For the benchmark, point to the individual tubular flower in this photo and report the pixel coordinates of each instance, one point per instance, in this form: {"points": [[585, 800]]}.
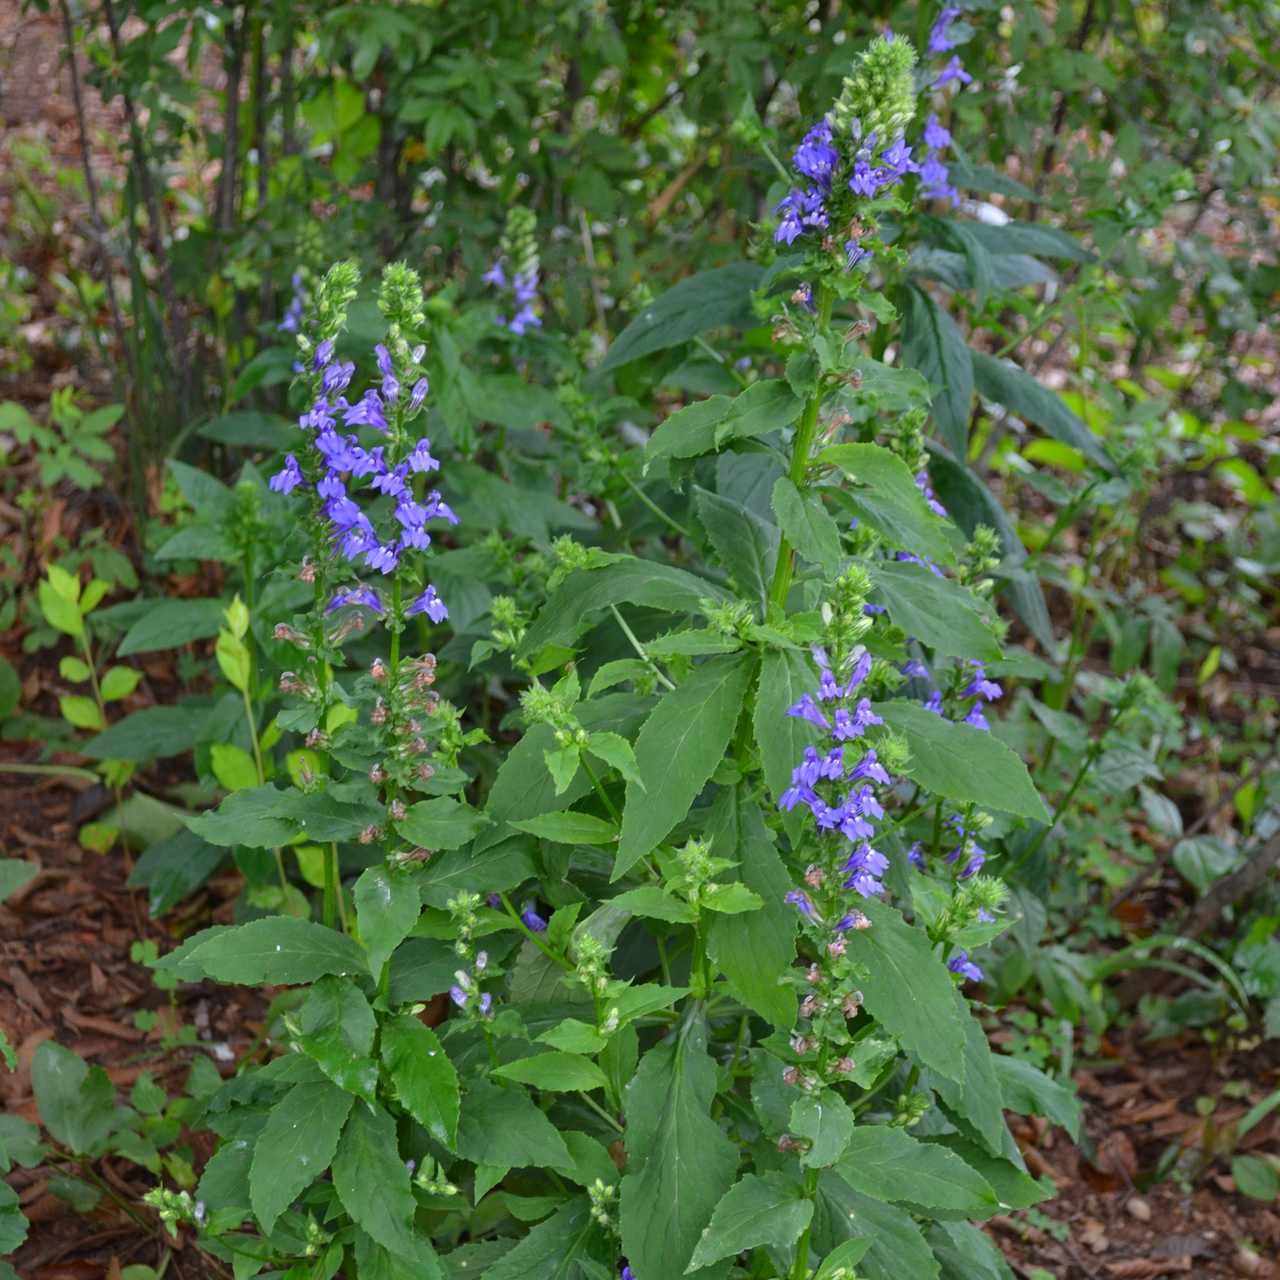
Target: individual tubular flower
{"points": [[807, 709], [337, 377], [976, 718], [815, 157], [938, 37], [870, 767], [854, 724], [962, 965], [367, 412], [417, 396], [532, 920], [952, 71], [293, 313], [980, 686], [420, 459], [430, 604], [360, 595], [801, 900], [922, 483], [290, 478], [914, 668]]}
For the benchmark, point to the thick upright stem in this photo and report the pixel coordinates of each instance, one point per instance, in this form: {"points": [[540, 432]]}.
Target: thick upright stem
{"points": [[800, 450]]}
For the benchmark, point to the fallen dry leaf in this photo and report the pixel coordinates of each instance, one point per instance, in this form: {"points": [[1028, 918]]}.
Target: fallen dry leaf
{"points": [[1152, 1111], [103, 1026]]}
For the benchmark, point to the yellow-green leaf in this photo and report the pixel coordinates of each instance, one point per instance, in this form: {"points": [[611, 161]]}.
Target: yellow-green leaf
{"points": [[98, 836], [82, 712], [233, 767], [233, 658], [93, 593], [119, 682], [74, 669], [59, 611], [65, 584]]}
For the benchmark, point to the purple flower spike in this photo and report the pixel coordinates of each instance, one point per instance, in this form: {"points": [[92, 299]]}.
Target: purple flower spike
{"points": [[915, 855], [816, 158], [495, 276], [934, 703], [628, 1274], [525, 319], [430, 604], [974, 864], [383, 557], [873, 610], [854, 253], [361, 595], [289, 479], [807, 709], [961, 964], [936, 135], [870, 767], [914, 668], [367, 412]]}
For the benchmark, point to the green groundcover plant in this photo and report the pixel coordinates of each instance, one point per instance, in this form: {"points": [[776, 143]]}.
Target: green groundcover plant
{"points": [[706, 943]]}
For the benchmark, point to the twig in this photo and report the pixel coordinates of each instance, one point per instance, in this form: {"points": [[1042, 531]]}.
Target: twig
{"points": [[1233, 887]]}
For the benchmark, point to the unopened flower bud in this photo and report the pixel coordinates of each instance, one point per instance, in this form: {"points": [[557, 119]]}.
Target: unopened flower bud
{"points": [[424, 772], [813, 974], [858, 329], [844, 1066], [807, 1007], [315, 738], [814, 876]]}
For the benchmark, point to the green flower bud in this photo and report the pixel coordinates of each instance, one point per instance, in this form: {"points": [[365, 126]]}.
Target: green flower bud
{"points": [[879, 93]]}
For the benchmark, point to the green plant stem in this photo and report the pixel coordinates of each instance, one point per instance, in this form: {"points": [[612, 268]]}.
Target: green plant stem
{"points": [[529, 933], [639, 648], [330, 884], [674, 525], [915, 813], [800, 1270], [666, 964], [600, 791], [599, 1110], [800, 449], [1093, 753]]}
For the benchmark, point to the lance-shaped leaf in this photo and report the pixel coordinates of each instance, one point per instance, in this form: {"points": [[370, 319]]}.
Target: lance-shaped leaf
{"points": [[889, 1164], [785, 677], [771, 1210], [938, 611], [372, 1181], [746, 544], [423, 1076], [387, 904], [279, 949], [337, 1031], [808, 525], [932, 342], [678, 749]]}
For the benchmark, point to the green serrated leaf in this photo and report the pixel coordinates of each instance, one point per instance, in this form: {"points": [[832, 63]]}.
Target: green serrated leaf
{"points": [[767, 1210], [424, 1078]]}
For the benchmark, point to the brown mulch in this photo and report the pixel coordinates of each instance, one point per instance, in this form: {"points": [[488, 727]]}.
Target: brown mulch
{"points": [[66, 974]]}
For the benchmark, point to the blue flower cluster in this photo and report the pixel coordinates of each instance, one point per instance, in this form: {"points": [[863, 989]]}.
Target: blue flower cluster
{"points": [[978, 688], [855, 806], [524, 285], [339, 459]]}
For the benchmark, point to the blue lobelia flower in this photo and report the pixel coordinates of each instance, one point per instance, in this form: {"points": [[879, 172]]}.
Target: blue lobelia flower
{"points": [[938, 41], [430, 604], [290, 478], [360, 595], [961, 964]]}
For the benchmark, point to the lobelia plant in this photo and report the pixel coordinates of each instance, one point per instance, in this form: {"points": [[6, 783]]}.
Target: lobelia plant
{"points": [[704, 945]]}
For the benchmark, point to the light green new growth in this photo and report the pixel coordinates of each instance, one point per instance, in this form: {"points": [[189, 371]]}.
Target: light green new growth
{"points": [[519, 242], [879, 93]]}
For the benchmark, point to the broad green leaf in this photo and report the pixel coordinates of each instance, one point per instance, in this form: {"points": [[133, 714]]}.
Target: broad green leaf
{"points": [[590, 1159], [247, 818], [932, 342], [899, 958], [677, 750], [888, 1164], [234, 768], [964, 1252], [616, 752], [60, 611], [502, 1127], [843, 1259], [826, 1121], [295, 1147], [569, 828], [654, 903], [337, 1031], [962, 762], [977, 1096], [119, 682], [375, 1262], [898, 1250], [420, 968], [614, 673], [570, 1245], [753, 950], [1006, 384], [574, 1036], [679, 1161], [152, 733], [562, 1072], [1013, 1187], [14, 873], [442, 823], [689, 432], [423, 1076], [886, 498], [371, 1179], [764, 407], [224, 1184], [252, 430], [175, 866], [757, 1211], [938, 611], [562, 764], [278, 950], [785, 677], [523, 788], [692, 644], [233, 658], [76, 1101], [730, 898], [808, 525], [746, 544], [387, 904], [703, 301], [173, 624], [1028, 1091], [197, 542], [1255, 1178], [324, 815], [643, 582], [503, 867], [79, 1195], [19, 1143]]}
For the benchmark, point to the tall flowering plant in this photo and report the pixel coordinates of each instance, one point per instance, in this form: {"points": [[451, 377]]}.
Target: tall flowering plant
{"points": [[704, 950]]}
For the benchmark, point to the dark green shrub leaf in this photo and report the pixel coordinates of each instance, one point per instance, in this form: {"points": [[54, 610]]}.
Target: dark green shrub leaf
{"points": [[423, 1076], [14, 873], [569, 828], [808, 525], [1030, 237], [826, 1121], [442, 823], [152, 733], [758, 1210], [250, 818], [280, 950], [679, 1161], [898, 1250], [562, 1248], [1014, 1188], [372, 1181], [337, 1031], [420, 968], [889, 1164], [938, 611], [965, 1253], [503, 867], [387, 904], [502, 1127], [977, 1097], [962, 762], [295, 1147], [677, 750], [173, 623], [562, 1072], [13, 1223], [1028, 1091], [174, 867], [1255, 1178], [746, 544]]}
